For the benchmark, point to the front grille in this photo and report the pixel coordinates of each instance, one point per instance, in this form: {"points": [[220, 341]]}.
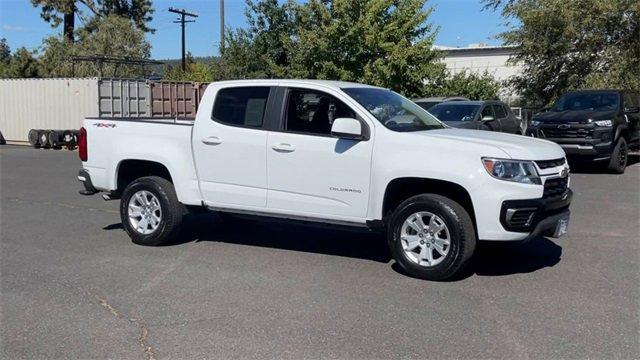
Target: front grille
{"points": [[545, 164], [572, 132], [522, 218], [555, 187]]}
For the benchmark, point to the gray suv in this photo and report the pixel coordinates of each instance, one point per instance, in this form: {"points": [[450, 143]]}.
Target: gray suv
{"points": [[482, 115]]}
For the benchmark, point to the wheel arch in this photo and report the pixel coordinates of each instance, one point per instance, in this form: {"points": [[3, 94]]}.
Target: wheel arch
{"points": [[622, 130], [400, 189], [128, 170]]}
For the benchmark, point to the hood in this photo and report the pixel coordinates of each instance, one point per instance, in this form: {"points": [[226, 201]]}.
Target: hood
{"points": [[461, 124], [574, 116], [514, 146]]}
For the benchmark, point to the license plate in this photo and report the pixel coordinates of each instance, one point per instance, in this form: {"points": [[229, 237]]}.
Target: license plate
{"points": [[561, 227]]}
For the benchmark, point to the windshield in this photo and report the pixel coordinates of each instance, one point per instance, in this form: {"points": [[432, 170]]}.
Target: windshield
{"points": [[593, 101], [427, 104], [454, 112], [394, 111]]}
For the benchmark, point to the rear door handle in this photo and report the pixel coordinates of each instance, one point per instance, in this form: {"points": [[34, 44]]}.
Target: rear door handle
{"points": [[284, 147], [212, 140]]}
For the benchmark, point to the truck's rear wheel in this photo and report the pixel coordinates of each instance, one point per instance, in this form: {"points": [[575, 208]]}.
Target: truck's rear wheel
{"points": [[150, 211], [431, 237]]}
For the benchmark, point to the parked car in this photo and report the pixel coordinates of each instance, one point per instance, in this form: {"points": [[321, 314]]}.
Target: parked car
{"points": [[523, 114], [593, 125], [428, 103], [330, 152], [481, 115]]}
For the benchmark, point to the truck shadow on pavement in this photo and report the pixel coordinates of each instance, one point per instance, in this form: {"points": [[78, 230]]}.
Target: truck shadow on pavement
{"points": [[360, 244], [498, 259], [491, 258]]}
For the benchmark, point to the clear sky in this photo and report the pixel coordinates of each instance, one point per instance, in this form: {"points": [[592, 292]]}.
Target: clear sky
{"points": [[461, 22]]}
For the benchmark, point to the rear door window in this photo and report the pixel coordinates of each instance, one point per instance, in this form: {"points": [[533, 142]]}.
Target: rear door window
{"points": [[487, 111], [499, 110], [241, 106]]}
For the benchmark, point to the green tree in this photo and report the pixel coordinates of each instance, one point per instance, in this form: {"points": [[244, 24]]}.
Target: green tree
{"points": [[196, 71], [5, 50], [113, 36], [470, 85], [259, 51], [380, 42], [5, 57], [56, 12], [22, 64], [239, 59], [572, 44]]}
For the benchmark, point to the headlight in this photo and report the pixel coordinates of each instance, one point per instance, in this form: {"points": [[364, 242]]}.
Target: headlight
{"points": [[535, 122], [512, 170], [604, 123]]}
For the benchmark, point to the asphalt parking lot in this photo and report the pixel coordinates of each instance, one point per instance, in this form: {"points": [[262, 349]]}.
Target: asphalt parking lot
{"points": [[74, 286]]}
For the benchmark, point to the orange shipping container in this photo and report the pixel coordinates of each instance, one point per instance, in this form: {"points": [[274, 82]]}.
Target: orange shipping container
{"points": [[175, 99]]}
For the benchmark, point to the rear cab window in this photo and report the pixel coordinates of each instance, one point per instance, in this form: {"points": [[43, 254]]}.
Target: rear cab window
{"points": [[241, 106]]}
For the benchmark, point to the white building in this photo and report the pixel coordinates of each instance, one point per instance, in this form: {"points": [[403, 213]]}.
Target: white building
{"points": [[478, 58]]}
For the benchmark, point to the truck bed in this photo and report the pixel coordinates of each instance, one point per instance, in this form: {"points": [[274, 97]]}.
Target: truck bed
{"points": [[175, 121], [112, 141]]}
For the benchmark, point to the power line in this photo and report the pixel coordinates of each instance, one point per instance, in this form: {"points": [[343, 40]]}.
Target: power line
{"points": [[183, 14]]}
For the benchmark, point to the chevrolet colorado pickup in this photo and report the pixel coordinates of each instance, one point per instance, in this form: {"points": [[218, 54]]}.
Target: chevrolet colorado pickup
{"points": [[332, 152], [593, 125]]}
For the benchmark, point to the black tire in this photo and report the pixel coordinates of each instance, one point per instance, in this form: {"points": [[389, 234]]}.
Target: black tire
{"points": [[172, 211], [461, 230], [619, 156], [34, 138], [43, 137]]}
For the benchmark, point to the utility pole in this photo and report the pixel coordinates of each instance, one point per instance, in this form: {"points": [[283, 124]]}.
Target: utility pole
{"points": [[183, 14], [221, 26]]}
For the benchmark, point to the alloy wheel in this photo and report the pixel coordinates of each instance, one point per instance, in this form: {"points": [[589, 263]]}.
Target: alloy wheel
{"points": [[425, 238], [145, 212]]}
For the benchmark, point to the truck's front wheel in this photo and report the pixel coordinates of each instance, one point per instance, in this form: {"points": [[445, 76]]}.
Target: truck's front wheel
{"points": [[150, 211], [431, 237], [619, 155]]}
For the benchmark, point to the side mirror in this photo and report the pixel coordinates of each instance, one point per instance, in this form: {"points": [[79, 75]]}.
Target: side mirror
{"points": [[347, 128], [632, 110], [487, 118]]}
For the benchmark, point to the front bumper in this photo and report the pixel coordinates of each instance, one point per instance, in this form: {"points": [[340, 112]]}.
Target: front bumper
{"points": [[582, 140], [535, 216]]}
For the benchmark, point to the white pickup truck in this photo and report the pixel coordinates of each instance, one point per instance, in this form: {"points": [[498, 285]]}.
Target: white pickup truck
{"points": [[331, 152]]}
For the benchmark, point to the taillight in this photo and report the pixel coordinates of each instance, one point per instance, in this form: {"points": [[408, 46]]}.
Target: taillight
{"points": [[82, 145]]}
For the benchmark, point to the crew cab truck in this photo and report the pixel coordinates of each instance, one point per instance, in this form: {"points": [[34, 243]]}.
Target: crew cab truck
{"points": [[331, 152], [598, 126]]}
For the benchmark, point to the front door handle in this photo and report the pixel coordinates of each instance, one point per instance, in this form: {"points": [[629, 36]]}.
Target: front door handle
{"points": [[212, 140], [284, 147]]}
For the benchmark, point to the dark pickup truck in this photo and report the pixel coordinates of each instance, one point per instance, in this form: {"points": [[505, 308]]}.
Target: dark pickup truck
{"points": [[593, 125]]}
